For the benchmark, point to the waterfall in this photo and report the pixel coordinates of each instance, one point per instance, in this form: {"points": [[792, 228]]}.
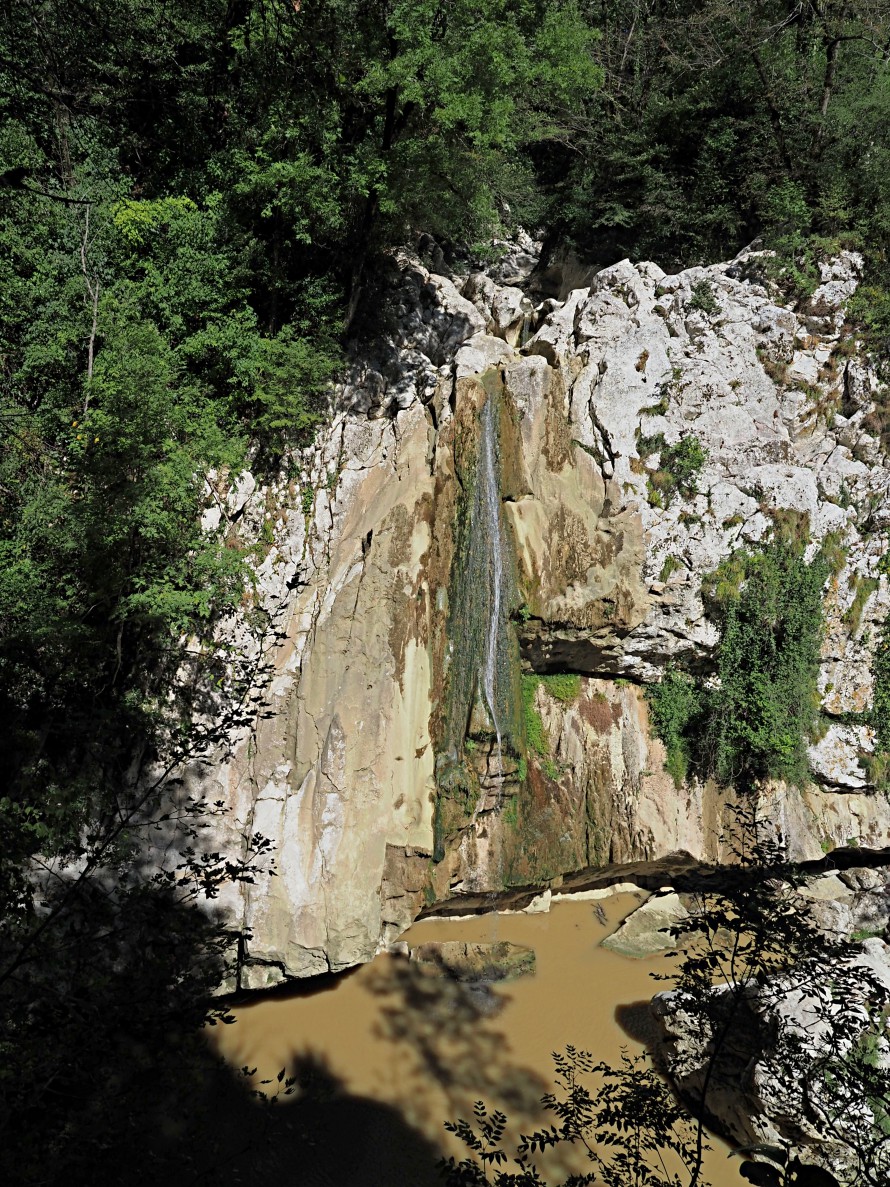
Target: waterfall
{"points": [[482, 693], [525, 330], [491, 511]]}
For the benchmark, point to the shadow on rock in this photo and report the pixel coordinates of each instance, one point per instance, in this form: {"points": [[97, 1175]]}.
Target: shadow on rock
{"points": [[636, 1020]]}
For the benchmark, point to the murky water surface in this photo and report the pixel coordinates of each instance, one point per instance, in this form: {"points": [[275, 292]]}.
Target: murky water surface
{"points": [[400, 1052]]}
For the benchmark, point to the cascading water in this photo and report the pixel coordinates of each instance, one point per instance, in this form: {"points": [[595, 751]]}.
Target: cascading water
{"points": [[491, 510], [482, 693], [526, 329]]}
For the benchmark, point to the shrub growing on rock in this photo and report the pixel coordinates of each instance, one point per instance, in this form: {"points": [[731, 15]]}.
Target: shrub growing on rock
{"points": [[752, 721]]}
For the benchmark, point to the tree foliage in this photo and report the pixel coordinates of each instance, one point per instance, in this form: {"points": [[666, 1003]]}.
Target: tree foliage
{"points": [[194, 197], [718, 121], [754, 719], [761, 716], [759, 974], [625, 1119]]}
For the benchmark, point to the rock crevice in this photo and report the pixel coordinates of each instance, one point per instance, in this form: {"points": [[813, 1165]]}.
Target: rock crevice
{"points": [[340, 767]]}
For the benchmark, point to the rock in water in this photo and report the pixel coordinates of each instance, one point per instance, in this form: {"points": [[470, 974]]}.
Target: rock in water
{"points": [[647, 930], [500, 961], [766, 1056]]}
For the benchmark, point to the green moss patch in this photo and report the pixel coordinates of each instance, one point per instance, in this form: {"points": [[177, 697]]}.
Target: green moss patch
{"points": [[535, 735], [562, 686]]}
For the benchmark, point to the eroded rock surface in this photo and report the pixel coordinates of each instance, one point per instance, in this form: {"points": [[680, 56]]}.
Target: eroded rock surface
{"points": [[355, 585], [501, 961]]}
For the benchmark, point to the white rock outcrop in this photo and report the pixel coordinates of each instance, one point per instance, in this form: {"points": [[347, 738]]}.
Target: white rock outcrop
{"points": [[339, 765], [767, 1057]]}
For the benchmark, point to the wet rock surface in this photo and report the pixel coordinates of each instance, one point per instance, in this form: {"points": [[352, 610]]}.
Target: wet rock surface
{"points": [[354, 585]]}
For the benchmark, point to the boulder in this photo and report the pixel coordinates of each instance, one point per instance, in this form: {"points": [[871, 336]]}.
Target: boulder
{"points": [[650, 928], [756, 1052], [499, 961]]}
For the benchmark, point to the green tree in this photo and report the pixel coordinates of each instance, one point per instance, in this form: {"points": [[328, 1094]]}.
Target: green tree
{"points": [[754, 721], [415, 116], [761, 716], [718, 122]]}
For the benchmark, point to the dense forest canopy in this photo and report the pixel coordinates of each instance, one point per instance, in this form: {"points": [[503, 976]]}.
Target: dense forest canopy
{"points": [[194, 199]]}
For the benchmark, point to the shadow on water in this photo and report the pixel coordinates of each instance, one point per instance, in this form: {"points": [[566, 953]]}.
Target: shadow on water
{"points": [[445, 1051], [399, 1049], [440, 1046], [453, 1043], [322, 1136]]}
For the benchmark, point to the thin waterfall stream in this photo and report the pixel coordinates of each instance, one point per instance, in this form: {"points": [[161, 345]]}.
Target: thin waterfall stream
{"points": [[478, 754], [491, 508]]}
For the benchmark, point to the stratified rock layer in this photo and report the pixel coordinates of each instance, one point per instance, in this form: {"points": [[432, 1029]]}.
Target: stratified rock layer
{"points": [[340, 767]]}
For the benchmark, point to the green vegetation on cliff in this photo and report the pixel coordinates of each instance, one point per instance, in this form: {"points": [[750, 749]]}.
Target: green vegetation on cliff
{"points": [[761, 717], [678, 469], [878, 716], [675, 706], [562, 686], [754, 718], [195, 196], [535, 734]]}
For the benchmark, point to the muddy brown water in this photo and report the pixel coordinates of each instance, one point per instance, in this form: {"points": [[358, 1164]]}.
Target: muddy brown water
{"points": [[386, 1054]]}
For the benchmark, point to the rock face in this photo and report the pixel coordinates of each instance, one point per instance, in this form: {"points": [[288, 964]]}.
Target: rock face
{"points": [[765, 1060], [500, 961], [649, 929], [388, 768], [775, 1059]]}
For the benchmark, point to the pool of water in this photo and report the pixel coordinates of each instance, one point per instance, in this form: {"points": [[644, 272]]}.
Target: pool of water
{"points": [[384, 1055]]}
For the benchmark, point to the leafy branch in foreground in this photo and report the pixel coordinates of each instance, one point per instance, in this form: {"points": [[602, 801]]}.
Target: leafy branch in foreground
{"points": [[108, 967], [625, 1122]]}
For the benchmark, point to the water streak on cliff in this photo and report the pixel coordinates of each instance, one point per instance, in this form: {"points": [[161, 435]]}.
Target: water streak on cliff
{"points": [[480, 695], [490, 499]]}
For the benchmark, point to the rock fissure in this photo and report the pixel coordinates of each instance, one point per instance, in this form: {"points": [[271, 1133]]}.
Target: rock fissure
{"points": [[605, 572]]}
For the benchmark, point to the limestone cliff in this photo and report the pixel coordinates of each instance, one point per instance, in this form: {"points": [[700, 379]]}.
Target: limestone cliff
{"points": [[780, 1060], [391, 768]]}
